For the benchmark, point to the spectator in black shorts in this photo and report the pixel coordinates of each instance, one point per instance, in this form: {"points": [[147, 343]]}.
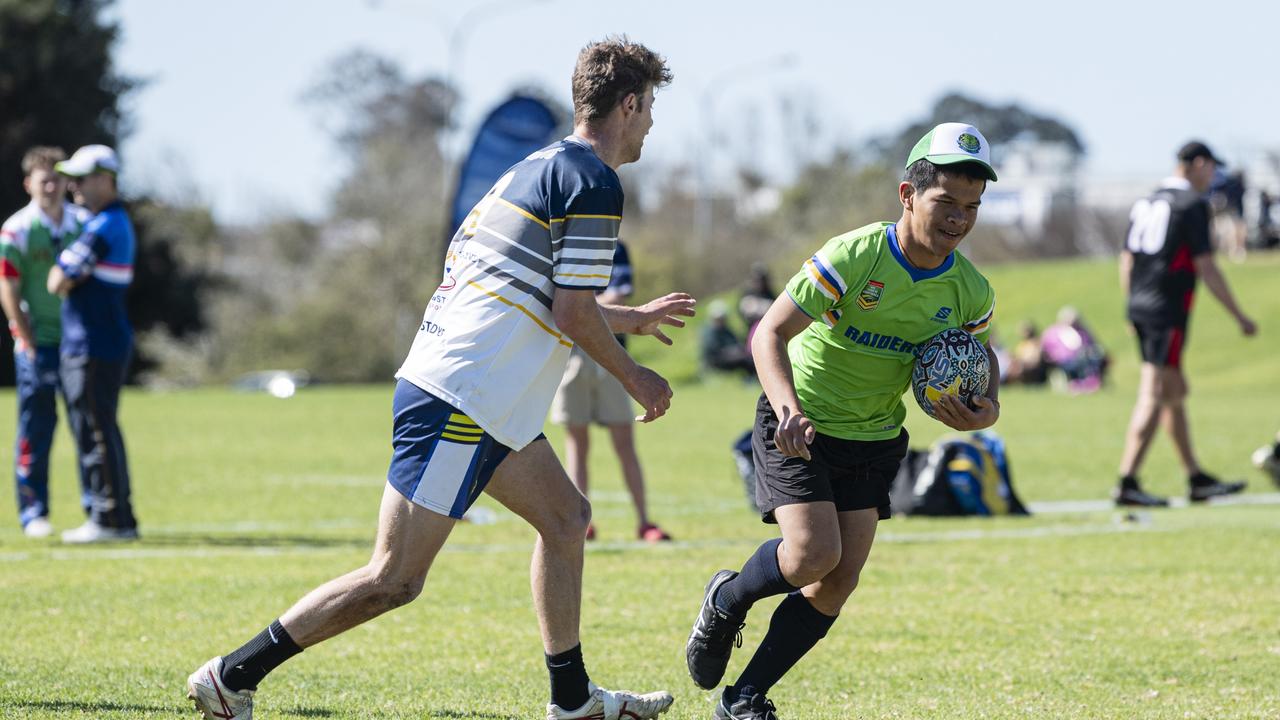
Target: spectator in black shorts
{"points": [[1167, 248]]}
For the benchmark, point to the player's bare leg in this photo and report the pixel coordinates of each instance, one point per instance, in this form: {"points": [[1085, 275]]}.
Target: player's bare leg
{"points": [[803, 618], [1144, 420], [1142, 429], [532, 484], [1173, 417], [810, 546], [857, 533], [624, 446], [577, 448], [409, 538]]}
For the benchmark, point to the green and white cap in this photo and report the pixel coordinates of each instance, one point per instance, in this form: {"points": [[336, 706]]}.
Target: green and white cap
{"points": [[951, 143], [88, 160]]}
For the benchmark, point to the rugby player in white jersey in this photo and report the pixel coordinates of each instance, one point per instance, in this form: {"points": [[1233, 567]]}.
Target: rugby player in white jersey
{"points": [[519, 292]]}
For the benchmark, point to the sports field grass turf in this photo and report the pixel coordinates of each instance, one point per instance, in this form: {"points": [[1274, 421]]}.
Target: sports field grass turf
{"points": [[247, 502]]}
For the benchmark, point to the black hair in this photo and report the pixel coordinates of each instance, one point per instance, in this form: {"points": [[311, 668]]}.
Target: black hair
{"points": [[923, 174]]}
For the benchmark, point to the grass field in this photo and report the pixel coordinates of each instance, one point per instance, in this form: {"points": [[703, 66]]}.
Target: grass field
{"points": [[247, 502]]}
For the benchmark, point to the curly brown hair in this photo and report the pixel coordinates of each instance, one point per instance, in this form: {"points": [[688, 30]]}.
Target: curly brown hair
{"points": [[42, 157], [609, 70]]}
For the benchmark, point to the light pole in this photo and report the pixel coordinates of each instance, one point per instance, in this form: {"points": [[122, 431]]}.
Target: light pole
{"points": [[703, 211]]}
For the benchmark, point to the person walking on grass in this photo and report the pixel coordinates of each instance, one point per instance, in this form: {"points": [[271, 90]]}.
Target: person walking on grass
{"points": [[1167, 249]]}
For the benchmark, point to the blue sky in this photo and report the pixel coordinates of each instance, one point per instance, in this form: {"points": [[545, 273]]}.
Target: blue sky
{"points": [[222, 110]]}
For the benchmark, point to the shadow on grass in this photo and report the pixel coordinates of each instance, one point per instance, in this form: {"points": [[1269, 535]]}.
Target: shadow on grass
{"points": [[81, 707], [462, 714], [266, 541]]}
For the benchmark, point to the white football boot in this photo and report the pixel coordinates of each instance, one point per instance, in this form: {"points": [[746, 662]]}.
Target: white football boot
{"points": [[91, 532], [38, 528], [614, 705], [213, 699]]}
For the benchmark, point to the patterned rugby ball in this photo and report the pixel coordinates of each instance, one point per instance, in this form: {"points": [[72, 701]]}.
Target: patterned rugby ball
{"points": [[952, 362]]}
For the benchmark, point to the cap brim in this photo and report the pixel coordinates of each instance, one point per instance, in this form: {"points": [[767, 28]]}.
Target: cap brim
{"points": [[960, 158], [67, 168]]}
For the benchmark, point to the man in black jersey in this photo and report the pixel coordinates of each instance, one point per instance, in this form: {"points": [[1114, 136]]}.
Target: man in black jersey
{"points": [[1167, 248]]}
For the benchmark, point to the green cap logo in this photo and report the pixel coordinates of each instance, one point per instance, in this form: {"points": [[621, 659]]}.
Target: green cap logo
{"points": [[969, 143]]}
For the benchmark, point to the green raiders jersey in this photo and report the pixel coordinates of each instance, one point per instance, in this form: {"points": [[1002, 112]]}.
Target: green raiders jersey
{"points": [[29, 245], [872, 308]]}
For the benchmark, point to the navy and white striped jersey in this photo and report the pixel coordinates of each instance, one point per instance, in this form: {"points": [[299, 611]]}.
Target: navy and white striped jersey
{"points": [[488, 343]]}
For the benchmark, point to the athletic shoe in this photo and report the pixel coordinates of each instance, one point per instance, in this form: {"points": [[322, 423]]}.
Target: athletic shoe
{"points": [[755, 707], [1264, 458], [38, 528], [92, 532], [1137, 497], [651, 533], [614, 705], [1205, 486], [715, 634], [213, 699]]}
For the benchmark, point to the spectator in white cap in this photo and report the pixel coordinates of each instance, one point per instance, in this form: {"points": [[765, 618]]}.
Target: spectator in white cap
{"points": [[92, 274]]}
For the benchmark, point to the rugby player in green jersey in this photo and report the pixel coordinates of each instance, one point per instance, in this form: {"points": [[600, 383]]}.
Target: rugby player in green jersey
{"points": [[834, 355]]}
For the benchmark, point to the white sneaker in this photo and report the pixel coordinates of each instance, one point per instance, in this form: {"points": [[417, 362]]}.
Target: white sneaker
{"points": [[38, 528], [92, 532], [213, 699], [614, 705], [1264, 458]]}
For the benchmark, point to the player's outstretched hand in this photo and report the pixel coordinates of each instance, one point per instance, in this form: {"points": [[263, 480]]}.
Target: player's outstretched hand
{"points": [[651, 391], [956, 415], [651, 316], [795, 434], [1248, 326]]}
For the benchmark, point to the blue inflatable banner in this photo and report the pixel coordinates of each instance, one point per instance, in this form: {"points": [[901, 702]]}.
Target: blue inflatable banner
{"points": [[514, 129]]}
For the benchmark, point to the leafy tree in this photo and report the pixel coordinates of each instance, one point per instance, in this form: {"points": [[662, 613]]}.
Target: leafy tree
{"points": [[999, 123], [58, 85]]}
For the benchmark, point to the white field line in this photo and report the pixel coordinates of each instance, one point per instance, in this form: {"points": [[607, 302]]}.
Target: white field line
{"points": [[142, 553], [1142, 522], [1088, 506]]}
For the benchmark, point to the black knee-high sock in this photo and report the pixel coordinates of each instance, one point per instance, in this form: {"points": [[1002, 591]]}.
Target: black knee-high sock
{"points": [[795, 628], [568, 678], [246, 666], [760, 578]]}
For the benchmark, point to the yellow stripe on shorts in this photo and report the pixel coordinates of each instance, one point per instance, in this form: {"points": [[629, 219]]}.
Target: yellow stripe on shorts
{"points": [[464, 439]]}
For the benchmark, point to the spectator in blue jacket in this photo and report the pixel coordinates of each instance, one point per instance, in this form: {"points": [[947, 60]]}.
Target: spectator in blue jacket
{"points": [[92, 274]]}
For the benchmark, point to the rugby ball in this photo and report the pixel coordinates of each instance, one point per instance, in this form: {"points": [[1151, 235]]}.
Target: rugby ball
{"points": [[952, 362]]}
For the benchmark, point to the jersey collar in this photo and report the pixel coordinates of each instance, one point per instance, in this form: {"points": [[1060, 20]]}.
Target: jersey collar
{"points": [[56, 230], [1173, 182], [916, 273]]}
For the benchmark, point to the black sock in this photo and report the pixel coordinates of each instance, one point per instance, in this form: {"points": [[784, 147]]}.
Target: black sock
{"points": [[760, 578], [1129, 482], [1202, 478], [245, 667], [795, 628], [568, 678]]}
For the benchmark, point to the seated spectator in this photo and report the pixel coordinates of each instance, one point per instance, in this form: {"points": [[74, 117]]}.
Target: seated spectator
{"points": [[1071, 349], [1027, 366], [757, 296], [720, 348]]}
